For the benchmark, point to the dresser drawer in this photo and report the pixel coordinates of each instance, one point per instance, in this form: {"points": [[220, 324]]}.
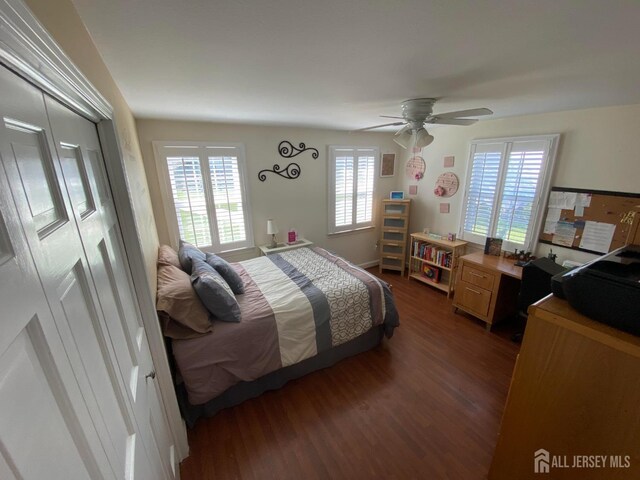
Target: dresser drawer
{"points": [[477, 277], [473, 298]]}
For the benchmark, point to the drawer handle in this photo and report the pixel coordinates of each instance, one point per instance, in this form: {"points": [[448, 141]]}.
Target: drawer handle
{"points": [[478, 275], [474, 291]]}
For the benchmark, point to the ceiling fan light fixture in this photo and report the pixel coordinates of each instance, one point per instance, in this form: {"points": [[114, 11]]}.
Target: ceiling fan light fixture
{"points": [[423, 138], [403, 138]]}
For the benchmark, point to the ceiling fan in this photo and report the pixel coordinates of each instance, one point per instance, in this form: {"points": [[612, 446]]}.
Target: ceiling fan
{"points": [[417, 112]]}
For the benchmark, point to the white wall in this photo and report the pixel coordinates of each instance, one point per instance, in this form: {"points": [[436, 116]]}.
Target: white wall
{"points": [[300, 203], [598, 150]]}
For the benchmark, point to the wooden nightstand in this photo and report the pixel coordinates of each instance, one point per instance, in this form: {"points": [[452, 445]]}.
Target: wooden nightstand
{"points": [[283, 247]]}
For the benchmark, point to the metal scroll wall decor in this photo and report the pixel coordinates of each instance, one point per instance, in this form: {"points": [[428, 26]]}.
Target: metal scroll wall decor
{"points": [[288, 150]]}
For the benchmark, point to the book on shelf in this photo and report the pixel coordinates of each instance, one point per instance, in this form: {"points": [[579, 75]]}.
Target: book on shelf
{"points": [[432, 253], [432, 273]]}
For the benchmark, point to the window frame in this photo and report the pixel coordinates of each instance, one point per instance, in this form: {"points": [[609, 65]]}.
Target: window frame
{"points": [[161, 154], [542, 193], [353, 226]]}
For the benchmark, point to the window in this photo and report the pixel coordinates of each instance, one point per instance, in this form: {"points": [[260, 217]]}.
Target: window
{"points": [[506, 181], [204, 193], [351, 186]]}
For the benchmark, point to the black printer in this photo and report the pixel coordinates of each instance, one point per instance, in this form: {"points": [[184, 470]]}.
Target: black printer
{"points": [[606, 289]]}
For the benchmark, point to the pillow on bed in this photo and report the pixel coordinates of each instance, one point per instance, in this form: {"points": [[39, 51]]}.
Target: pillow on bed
{"points": [[168, 256], [214, 292], [177, 298], [227, 272], [187, 253], [174, 329]]}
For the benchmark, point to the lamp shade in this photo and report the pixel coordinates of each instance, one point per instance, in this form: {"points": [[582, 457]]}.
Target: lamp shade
{"points": [[272, 229], [403, 138], [423, 138]]}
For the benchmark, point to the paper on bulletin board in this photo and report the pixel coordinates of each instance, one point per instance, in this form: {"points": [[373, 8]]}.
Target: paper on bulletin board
{"points": [[597, 236], [564, 234], [583, 200], [563, 200], [553, 216]]}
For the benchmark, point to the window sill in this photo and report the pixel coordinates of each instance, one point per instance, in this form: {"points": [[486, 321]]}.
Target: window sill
{"points": [[354, 230]]}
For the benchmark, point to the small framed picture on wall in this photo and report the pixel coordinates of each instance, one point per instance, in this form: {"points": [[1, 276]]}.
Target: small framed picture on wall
{"points": [[388, 165], [395, 195]]}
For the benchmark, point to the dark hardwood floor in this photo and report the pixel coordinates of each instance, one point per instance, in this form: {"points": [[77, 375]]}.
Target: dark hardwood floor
{"points": [[425, 404]]}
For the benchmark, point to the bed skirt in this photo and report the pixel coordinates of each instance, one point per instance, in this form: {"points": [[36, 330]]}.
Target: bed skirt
{"points": [[272, 381]]}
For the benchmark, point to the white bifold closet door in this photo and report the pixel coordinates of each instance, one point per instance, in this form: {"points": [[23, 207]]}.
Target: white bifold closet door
{"points": [[77, 395]]}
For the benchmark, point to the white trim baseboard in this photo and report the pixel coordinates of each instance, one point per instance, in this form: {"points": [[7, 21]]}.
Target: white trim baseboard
{"points": [[370, 264]]}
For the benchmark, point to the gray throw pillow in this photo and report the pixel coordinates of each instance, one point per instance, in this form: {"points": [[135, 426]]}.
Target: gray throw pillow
{"points": [[214, 292], [229, 274], [186, 253]]}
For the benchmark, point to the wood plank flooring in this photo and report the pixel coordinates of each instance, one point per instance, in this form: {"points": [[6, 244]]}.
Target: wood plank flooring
{"points": [[425, 404]]}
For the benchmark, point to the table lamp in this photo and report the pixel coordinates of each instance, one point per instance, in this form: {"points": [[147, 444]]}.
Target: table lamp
{"points": [[272, 230]]}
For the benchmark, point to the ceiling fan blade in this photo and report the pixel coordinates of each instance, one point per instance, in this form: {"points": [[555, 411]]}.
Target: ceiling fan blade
{"points": [[394, 124], [473, 112], [390, 116], [451, 121]]}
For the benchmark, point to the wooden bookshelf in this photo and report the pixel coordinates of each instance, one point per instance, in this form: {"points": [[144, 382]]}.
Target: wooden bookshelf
{"points": [[439, 254], [393, 236]]}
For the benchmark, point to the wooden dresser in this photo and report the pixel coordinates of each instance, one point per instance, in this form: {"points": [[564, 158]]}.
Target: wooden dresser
{"points": [[575, 391], [487, 287]]}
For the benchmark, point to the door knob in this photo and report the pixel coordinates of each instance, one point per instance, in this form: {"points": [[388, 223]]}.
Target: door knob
{"points": [[151, 375]]}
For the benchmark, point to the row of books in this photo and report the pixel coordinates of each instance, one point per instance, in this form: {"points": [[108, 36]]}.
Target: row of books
{"points": [[436, 255]]}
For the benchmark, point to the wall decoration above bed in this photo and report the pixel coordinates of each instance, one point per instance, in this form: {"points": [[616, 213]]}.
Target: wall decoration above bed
{"points": [[290, 172], [287, 150]]}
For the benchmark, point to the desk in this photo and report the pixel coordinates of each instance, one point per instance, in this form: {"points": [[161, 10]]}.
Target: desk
{"points": [[574, 391], [487, 287], [283, 247]]}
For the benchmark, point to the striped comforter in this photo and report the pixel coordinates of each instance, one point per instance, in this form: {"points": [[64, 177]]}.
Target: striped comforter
{"points": [[296, 304]]}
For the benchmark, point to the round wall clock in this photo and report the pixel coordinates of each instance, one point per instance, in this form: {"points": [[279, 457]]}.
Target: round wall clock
{"points": [[415, 168], [446, 185]]}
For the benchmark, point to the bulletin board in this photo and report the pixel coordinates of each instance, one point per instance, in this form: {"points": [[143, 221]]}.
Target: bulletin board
{"points": [[593, 221]]}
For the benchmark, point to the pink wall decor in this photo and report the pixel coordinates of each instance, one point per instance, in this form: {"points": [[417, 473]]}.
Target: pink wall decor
{"points": [[449, 160], [413, 189], [446, 185], [444, 208], [415, 168]]}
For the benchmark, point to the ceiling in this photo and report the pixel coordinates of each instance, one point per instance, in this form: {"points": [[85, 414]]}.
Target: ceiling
{"points": [[341, 63]]}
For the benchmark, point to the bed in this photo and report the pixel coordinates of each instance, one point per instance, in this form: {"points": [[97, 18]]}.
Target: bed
{"points": [[302, 310]]}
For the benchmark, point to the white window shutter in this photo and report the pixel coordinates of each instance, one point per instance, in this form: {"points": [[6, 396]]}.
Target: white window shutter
{"points": [[483, 176], [505, 180], [187, 187], [352, 187], [343, 195], [205, 183], [519, 191], [366, 177], [227, 197]]}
